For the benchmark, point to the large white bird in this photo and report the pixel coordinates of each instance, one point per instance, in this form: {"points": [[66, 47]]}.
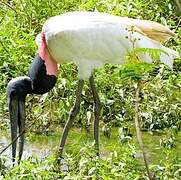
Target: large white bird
{"points": [[88, 39]]}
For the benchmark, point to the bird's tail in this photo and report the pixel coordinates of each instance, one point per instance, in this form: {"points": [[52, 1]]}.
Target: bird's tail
{"points": [[153, 30], [168, 57], [152, 34]]}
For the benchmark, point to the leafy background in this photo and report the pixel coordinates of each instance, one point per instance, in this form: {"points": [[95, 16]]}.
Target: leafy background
{"points": [[160, 104]]}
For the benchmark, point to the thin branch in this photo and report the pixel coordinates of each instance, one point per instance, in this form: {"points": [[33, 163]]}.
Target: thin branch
{"points": [[178, 5], [178, 25], [22, 132], [9, 6], [138, 131]]}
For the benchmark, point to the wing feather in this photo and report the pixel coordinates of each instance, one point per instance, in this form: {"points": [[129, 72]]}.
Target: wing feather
{"points": [[151, 29]]}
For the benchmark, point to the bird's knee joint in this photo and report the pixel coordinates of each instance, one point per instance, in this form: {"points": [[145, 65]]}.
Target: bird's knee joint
{"points": [[97, 106], [74, 111]]}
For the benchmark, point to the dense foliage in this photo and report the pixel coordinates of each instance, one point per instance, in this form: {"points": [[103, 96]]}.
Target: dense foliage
{"points": [[160, 97], [160, 108]]}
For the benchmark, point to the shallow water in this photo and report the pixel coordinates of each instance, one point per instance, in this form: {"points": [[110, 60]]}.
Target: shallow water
{"points": [[41, 146]]}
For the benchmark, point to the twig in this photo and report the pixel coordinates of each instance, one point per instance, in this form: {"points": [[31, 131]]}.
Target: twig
{"points": [[178, 5], [178, 25], [138, 132], [6, 4], [23, 131]]}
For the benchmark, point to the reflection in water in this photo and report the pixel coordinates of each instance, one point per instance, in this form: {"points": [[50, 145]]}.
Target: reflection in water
{"points": [[38, 146]]}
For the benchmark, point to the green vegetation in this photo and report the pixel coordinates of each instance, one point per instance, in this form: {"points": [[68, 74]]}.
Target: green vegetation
{"points": [[160, 96], [120, 157]]}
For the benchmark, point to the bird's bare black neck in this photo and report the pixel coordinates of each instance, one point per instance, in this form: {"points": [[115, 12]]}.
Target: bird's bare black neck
{"points": [[42, 82], [37, 81]]}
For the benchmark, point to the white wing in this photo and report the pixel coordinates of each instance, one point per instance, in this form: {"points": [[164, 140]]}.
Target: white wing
{"points": [[91, 39]]}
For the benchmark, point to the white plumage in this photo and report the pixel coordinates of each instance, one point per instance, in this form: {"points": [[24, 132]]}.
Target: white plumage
{"points": [[91, 39], [88, 39]]}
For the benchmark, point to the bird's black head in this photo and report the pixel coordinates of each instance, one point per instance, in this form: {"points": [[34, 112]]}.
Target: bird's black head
{"points": [[38, 81], [17, 90]]}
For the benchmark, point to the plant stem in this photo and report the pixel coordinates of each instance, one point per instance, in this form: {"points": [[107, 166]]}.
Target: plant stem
{"points": [[178, 5], [3, 150], [138, 132]]}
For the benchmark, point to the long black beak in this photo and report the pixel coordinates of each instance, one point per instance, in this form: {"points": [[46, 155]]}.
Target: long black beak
{"points": [[17, 120], [16, 91]]}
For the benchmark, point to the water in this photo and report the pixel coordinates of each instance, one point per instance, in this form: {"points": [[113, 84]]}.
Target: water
{"points": [[41, 146]]}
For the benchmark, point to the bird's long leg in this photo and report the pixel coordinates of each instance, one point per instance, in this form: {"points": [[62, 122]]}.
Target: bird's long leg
{"points": [[97, 108], [72, 115]]}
